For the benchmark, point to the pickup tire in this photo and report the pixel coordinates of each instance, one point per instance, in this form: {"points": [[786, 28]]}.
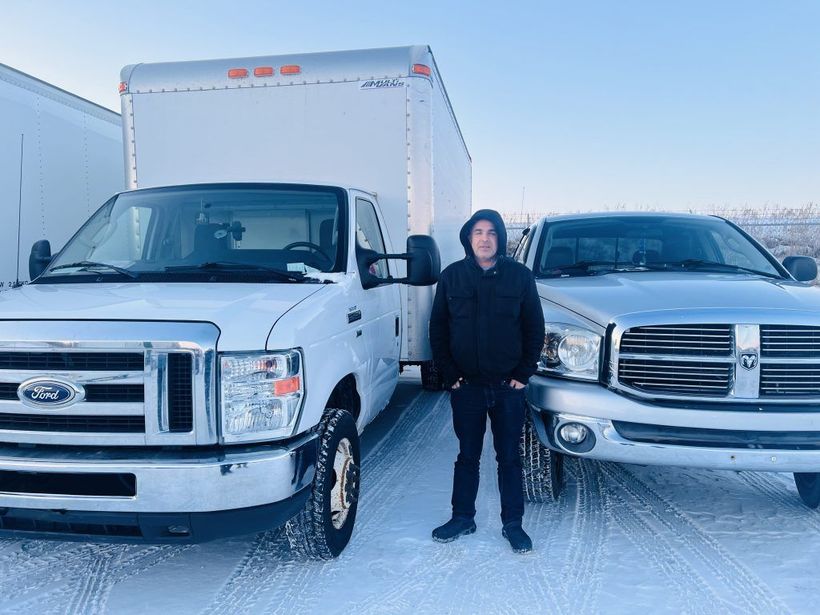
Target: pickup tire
{"points": [[430, 376], [323, 528], [543, 468], [808, 486]]}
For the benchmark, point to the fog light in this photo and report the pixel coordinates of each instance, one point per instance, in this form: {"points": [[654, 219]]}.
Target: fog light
{"points": [[179, 530], [573, 433]]}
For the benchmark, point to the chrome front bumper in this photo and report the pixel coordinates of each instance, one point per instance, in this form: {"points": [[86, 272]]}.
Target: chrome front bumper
{"points": [[562, 401], [166, 481]]}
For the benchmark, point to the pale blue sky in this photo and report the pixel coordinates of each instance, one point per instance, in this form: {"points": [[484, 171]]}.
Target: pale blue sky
{"points": [[688, 104]]}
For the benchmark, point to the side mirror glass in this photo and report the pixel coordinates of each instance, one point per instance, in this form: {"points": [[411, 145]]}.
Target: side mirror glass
{"points": [[364, 259], [424, 262], [39, 258], [802, 268]]}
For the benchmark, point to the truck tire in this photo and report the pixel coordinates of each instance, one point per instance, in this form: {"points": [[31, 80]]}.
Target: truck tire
{"points": [[430, 376], [323, 528], [808, 486], [543, 468]]}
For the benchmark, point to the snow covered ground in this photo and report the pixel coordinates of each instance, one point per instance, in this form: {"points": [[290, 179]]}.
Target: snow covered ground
{"points": [[622, 538]]}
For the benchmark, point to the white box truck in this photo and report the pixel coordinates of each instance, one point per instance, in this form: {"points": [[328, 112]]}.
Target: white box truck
{"points": [[201, 357], [60, 156]]}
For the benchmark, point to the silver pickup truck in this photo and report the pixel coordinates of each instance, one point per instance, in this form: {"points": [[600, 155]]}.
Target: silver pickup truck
{"points": [[671, 339]]}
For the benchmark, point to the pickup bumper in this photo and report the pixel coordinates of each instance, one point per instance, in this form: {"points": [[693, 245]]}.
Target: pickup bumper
{"points": [[632, 431], [158, 495]]}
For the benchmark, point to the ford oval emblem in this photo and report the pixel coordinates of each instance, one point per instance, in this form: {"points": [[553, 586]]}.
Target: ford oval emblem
{"points": [[49, 393]]}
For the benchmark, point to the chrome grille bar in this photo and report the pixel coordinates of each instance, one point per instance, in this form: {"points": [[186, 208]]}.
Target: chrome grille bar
{"points": [[695, 340]]}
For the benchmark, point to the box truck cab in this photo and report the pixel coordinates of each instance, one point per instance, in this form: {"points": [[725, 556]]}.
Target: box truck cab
{"points": [[201, 357]]}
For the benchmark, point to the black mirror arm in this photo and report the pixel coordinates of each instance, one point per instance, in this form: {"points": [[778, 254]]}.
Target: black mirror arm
{"points": [[391, 279]]}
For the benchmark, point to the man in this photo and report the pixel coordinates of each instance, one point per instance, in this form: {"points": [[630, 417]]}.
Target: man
{"points": [[487, 331]]}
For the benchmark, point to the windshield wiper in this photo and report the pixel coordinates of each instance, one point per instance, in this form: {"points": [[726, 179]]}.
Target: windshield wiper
{"points": [[581, 267], [89, 265], [696, 263], [232, 266]]}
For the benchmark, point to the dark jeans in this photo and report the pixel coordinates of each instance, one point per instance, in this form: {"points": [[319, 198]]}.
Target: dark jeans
{"points": [[472, 403]]}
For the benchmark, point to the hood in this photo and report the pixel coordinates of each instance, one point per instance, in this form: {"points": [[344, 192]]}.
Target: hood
{"points": [[244, 313], [603, 298], [492, 216]]}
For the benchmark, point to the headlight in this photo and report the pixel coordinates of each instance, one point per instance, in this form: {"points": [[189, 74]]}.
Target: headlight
{"points": [[570, 351], [260, 395]]}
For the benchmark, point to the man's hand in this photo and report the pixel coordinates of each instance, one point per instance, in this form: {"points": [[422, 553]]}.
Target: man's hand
{"points": [[516, 385], [456, 384]]}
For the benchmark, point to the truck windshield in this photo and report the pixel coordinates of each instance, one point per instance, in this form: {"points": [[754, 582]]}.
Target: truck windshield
{"points": [[600, 245], [231, 232]]}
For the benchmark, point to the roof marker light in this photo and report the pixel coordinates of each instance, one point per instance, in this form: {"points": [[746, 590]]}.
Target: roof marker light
{"points": [[263, 71], [123, 87], [237, 73], [290, 69], [421, 69]]}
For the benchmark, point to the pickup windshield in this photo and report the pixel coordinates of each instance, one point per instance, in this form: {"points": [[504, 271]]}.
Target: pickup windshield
{"points": [[225, 232], [595, 246]]}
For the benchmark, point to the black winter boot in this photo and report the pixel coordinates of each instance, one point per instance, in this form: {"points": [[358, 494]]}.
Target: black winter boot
{"points": [[519, 540], [455, 527]]}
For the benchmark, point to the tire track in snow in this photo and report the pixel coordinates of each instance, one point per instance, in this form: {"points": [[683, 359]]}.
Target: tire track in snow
{"points": [[773, 488], [51, 563], [584, 558], [265, 564], [262, 562], [656, 548], [751, 594], [91, 583]]}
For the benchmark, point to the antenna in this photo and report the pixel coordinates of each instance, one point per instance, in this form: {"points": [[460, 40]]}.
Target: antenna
{"points": [[20, 209]]}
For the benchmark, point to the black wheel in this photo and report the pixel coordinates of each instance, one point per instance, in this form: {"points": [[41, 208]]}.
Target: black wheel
{"points": [[430, 376], [543, 468], [808, 486], [323, 528]]}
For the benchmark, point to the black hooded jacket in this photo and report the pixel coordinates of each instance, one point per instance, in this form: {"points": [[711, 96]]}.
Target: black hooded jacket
{"points": [[486, 326]]}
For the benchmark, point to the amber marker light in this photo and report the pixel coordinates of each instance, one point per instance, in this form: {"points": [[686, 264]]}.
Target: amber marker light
{"points": [[263, 71], [421, 69], [288, 385], [290, 69], [237, 73]]}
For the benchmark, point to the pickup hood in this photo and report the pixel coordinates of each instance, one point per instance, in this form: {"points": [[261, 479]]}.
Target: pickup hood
{"points": [[604, 297], [244, 313]]}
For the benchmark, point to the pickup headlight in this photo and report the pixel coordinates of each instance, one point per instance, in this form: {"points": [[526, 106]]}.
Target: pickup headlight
{"points": [[570, 351], [260, 395]]}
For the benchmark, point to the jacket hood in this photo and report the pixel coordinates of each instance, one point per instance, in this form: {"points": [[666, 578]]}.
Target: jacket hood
{"points": [[492, 216]]}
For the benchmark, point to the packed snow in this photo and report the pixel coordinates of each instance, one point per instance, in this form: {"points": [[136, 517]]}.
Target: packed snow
{"points": [[622, 538]]}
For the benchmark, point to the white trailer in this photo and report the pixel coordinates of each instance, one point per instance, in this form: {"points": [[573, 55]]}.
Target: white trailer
{"points": [[60, 156], [354, 118], [216, 338]]}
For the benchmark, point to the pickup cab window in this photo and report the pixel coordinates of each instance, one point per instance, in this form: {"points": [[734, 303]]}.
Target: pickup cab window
{"points": [[579, 246], [228, 232]]}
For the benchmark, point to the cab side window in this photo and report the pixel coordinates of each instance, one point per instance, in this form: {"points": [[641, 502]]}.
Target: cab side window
{"points": [[523, 248], [369, 235]]}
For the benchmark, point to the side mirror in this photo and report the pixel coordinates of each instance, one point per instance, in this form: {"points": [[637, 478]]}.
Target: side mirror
{"points": [[802, 268], [364, 259], [424, 262], [39, 258]]}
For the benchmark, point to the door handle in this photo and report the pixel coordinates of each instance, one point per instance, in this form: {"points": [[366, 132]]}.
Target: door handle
{"points": [[354, 316]]}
